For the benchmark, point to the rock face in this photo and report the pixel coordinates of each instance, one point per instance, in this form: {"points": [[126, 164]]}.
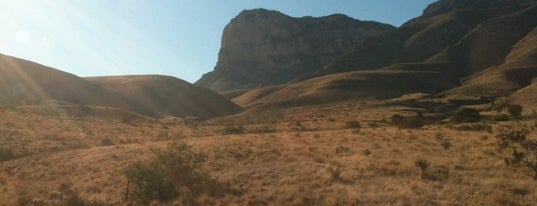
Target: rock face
{"points": [[261, 47], [455, 49]]}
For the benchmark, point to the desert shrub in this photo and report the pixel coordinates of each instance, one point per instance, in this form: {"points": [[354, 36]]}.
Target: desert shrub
{"points": [[265, 129], [352, 124], [396, 119], [514, 146], [174, 173], [438, 173], [106, 142], [444, 142], [422, 164], [515, 110], [466, 115], [501, 118], [474, 127], [71, 196], [342, 150], [411, 123], [233, 129], [6, 154]]}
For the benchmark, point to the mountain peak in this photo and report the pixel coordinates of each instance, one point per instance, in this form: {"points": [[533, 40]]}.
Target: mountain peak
{"points": [[444, 6]]}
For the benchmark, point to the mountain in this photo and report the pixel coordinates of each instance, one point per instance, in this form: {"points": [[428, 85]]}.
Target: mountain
{"points": [[463, 51], [25, 83], [443, 23], [261, 47], [169, 95]]}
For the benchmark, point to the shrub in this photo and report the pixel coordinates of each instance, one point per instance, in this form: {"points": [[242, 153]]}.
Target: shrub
{"points": [[466, 115], [515, 148], [474, 127], [515, 110], [438, 173], [174, 173], [352, 124], [6, 154], [411, 123], [396, 119], [107, 142], [233, 129], [501, 118], [422, 164]]}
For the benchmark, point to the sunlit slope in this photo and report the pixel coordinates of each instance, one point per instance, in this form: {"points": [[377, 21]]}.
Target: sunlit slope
{"points": [[25, 83], [381, 84], [169, 95], [248, 98]]}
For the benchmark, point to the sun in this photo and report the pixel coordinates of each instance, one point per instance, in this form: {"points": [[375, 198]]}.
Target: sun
{"points": [[22, 36]]}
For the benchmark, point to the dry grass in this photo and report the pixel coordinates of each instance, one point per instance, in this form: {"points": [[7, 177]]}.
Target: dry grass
{"points": [[310, 158]]}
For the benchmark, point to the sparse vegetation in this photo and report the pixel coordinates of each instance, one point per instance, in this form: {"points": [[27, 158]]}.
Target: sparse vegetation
{"points": [[515, 110], [516, 148], [353, 124], [233, 129], [174, 173], [6, 154], [466, 115]]}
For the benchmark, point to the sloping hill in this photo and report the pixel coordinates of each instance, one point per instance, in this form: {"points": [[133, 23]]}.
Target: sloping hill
{"points": [[381, 84], [25, 83], [169, 95]]}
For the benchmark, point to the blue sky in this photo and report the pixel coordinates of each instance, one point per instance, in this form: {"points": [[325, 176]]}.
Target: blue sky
{"points": [[179, 38]]}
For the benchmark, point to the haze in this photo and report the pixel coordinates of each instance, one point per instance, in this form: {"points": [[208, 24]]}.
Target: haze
{"points": [[176, 38]]}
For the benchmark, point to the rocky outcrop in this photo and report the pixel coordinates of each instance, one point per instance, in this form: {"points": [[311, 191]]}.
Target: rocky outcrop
{"points": [[261, 47]]}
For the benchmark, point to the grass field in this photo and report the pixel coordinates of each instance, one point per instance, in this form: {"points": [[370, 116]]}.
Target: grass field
{"points": [[307, 155]]}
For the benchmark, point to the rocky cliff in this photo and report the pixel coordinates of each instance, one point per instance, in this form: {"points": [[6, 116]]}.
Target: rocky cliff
{"points": [[261, 47]]}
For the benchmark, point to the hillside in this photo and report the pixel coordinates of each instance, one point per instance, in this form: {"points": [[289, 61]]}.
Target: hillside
{"points": [[26, 83], [417, 40], [261, 47], [168, 95], [493, 57]]}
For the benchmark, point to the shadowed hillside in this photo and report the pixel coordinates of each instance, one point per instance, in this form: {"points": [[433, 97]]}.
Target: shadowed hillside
{"points": [[25, 83], [169, 95], [417, 40]]}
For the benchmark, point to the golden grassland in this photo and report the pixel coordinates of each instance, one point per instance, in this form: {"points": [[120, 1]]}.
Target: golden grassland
{"points": [[296, 156]]}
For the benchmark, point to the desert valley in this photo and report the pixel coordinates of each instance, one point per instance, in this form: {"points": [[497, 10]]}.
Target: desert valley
{"points": [[297, 111]]}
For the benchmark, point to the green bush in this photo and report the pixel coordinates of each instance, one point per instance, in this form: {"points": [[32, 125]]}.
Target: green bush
{"points": [[466, 115]]}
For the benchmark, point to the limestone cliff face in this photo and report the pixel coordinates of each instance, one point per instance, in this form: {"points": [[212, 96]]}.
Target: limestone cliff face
{"points": [[261, 47]]}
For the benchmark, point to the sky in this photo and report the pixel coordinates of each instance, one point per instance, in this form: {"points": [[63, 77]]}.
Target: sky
{"points": [[178, 38]]}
